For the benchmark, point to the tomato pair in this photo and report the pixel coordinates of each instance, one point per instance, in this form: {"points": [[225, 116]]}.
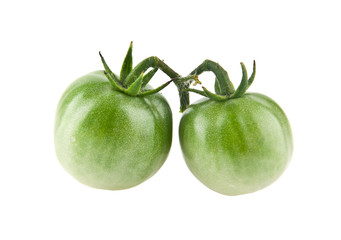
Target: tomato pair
{"points": [[114, 132]]}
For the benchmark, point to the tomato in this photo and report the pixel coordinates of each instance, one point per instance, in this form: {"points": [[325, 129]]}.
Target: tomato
{"points": [[108, 139], [236, 146]]}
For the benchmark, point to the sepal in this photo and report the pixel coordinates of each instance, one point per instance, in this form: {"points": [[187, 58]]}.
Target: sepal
{"points": [[214, 96], [148, 77], [135, 87], [127, 65], [243, 86], [158, 89], [115, 82]]}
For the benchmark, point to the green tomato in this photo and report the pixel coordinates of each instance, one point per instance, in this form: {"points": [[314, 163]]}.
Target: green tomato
{"points": [[236, 146], [107, 139]]}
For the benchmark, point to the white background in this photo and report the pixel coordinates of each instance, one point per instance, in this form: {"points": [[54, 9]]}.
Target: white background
{"points": [[45, 45]]}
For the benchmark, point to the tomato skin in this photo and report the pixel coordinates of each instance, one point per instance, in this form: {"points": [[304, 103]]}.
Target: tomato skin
{"points": [[236, 146], [107, 139]]}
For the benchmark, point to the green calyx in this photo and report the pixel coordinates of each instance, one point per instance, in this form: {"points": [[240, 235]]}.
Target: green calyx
{"points": [[224, 88], [132, 81]]}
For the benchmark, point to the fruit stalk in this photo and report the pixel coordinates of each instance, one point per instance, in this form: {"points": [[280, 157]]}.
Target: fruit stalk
{"points": [[155, 62]]}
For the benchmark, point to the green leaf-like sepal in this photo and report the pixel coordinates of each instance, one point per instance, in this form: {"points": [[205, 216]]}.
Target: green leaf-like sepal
{"points": [[158, 89], [115, 82], [148, 77], [127, 65], [135, 87], [243, 86], [214, 96], [202, 93], [253, 75]]}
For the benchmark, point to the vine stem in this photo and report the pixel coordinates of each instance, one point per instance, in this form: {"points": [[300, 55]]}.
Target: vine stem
{"points": [[224, 85], [155, 62]]}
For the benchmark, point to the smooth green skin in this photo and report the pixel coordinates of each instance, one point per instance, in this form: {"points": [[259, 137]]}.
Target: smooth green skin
{"points": [[107, 139], [236, 146]]}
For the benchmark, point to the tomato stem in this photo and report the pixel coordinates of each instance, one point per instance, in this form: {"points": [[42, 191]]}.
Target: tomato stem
{"points": [[223, 83], [155, 62], [179, 83], [223, 86]]}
